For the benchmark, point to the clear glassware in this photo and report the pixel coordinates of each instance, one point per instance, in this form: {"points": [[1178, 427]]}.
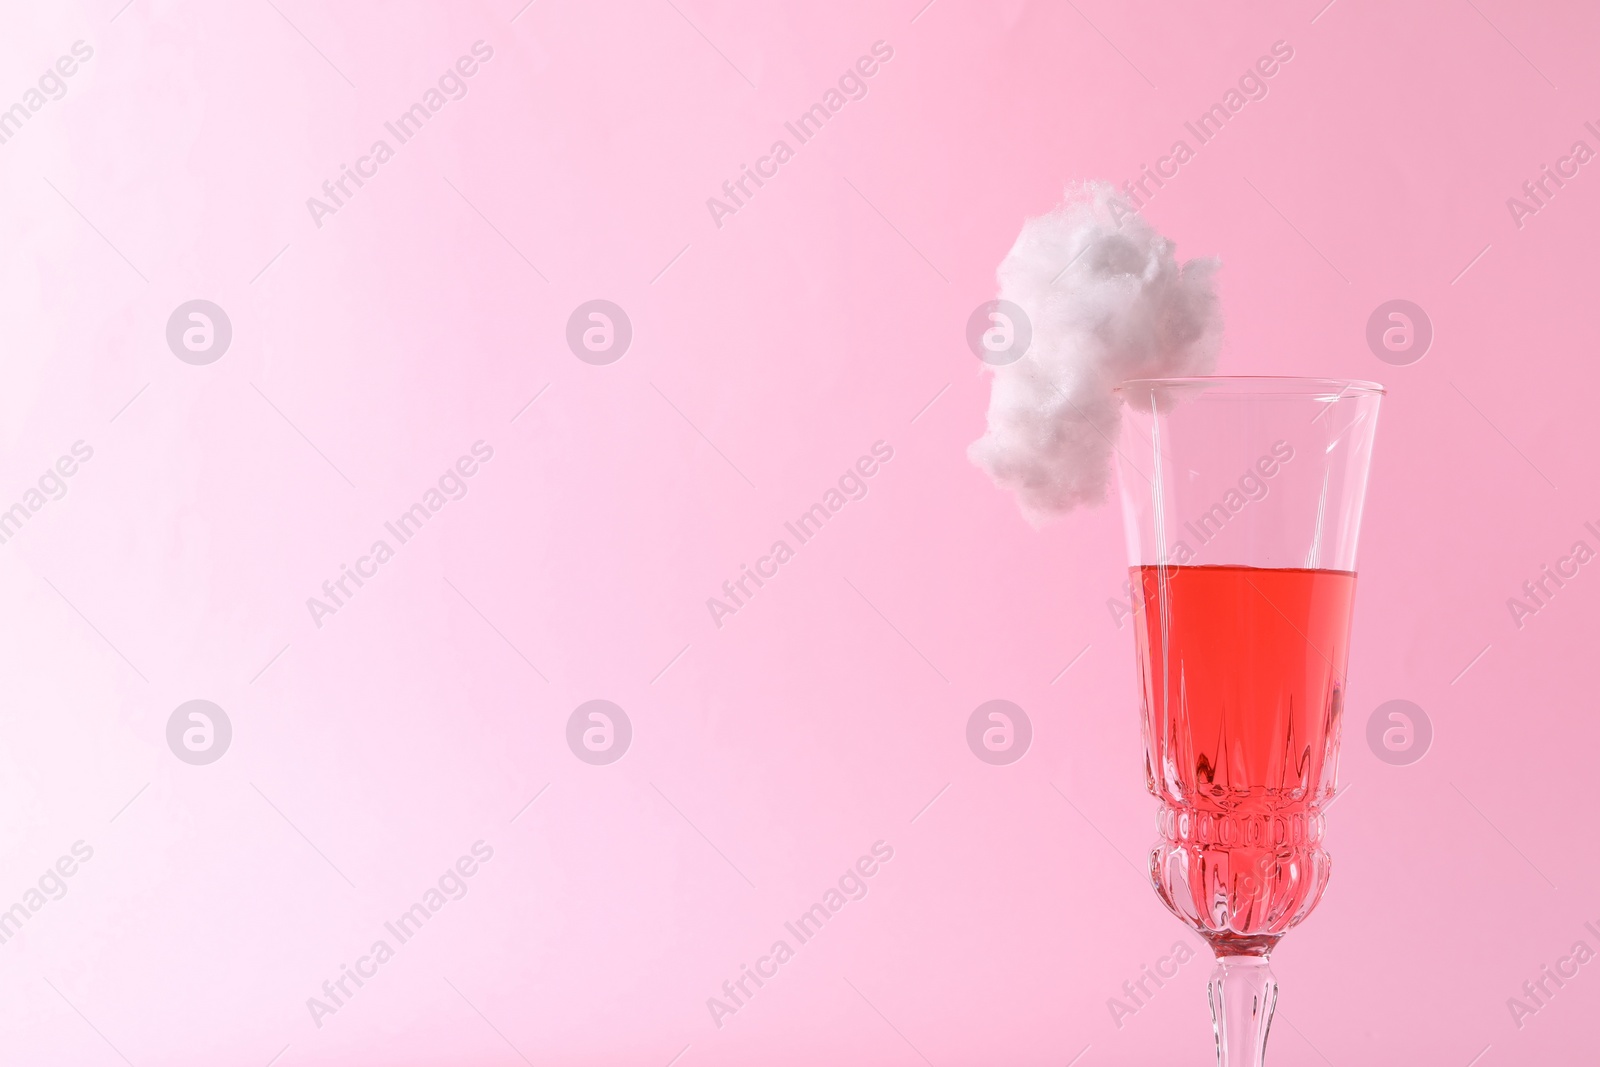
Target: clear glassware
{"points": [[1242, 503]]}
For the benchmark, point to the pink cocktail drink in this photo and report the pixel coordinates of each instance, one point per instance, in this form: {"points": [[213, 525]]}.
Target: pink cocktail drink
{"points": [[1241, 673], [1242, 502]]}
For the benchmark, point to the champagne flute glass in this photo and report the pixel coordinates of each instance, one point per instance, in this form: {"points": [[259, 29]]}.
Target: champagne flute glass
{"points": [[1242, 503]]}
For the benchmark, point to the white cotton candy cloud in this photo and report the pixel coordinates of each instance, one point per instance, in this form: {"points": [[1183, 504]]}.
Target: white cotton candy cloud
{"points": [[1107, 302]]}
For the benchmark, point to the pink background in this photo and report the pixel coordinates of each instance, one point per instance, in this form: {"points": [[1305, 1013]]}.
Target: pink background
{"points": [[767, 754]]}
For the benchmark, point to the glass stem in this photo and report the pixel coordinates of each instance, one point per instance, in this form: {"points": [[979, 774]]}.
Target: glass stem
{"points": [[1243, 993]]}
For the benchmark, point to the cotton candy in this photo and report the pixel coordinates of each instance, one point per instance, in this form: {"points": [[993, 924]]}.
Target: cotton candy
{"points": [[1107, 301]]}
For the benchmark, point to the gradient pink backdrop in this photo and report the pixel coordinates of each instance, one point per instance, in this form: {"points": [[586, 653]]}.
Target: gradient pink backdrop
{"points": [[768, 353]]}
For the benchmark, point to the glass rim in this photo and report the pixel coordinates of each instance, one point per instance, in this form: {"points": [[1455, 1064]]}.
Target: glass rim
{"points": [[1261, 385]]}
